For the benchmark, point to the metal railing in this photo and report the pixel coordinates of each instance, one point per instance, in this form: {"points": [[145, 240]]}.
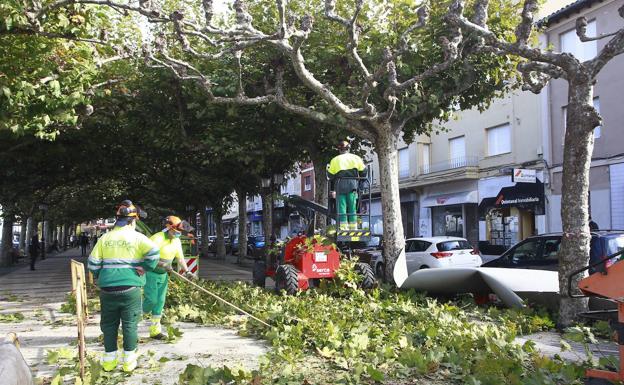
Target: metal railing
{"points": [[462, 161]]}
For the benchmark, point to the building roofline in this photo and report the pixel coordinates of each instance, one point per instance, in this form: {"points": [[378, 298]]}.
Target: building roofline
{"points": [[566, 11]]}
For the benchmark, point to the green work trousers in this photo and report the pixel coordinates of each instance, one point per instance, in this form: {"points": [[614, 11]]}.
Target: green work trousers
{"points": [[124, 307], [155, 292], [346, 205]]}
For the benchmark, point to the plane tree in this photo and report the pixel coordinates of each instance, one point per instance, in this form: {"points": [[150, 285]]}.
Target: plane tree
{"points": [[537, 67], [378, 70]]}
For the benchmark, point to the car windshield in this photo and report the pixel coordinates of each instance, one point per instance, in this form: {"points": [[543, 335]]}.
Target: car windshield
{"points": [[454, 245], [615, 244], [374, 242]]}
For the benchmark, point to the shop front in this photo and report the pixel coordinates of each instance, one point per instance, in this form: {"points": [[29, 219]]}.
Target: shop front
{"points": [[452, 214], [512, 214]]}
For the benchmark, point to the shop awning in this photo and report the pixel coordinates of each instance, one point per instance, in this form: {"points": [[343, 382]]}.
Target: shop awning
{"points": [[521, 195], [451, 199]]}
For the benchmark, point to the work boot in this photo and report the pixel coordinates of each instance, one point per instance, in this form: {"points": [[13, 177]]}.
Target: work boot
{"points": [[344, 226], [130, 360], [353, 226], [109, 361], [156, 329]]}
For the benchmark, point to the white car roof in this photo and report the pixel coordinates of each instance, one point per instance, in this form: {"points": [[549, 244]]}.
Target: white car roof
{"points": [[437, 239]]}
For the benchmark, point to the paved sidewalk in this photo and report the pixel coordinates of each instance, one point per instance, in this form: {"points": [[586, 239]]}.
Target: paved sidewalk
{"points": [[38, 296], [52, 278], [50, 281]]}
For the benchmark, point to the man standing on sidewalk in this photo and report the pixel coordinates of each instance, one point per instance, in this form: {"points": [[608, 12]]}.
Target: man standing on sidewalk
{"points": [[119, 261], [157, 281], [33, 249], [84, 242]]}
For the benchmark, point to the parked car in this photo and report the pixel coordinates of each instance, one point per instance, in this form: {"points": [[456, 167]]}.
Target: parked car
{"points": [[435, 252], [540, 252], [254, 243]]}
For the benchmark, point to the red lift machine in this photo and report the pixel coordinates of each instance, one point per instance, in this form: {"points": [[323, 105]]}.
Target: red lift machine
{"points": [[606, 282]]}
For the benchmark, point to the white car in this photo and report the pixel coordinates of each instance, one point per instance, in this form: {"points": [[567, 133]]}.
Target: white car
{"points": [[433, 252]]}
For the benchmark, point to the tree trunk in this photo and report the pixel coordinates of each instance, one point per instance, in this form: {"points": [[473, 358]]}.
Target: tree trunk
{"points": [[22, 239], [320, 194], [46, 233], [242, 225], [393, 238], [267, 217], [7, 241], [220, 239], [205, 244], [30, 224], [65, 240], [581, 119]]}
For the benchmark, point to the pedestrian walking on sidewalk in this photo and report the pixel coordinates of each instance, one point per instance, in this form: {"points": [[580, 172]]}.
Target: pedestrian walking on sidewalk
{"points": [[157, 281], [33, 249], [119, 261], [84, 243]]}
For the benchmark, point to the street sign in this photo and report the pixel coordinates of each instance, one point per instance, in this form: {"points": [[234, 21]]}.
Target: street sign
{"points": [[523, 175]]}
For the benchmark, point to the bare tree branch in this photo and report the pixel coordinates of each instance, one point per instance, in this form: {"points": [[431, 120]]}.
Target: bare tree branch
{"points": [[50, 35], [523, 31], [581, 31], [455, 17], [480, 16], [612, 49]]}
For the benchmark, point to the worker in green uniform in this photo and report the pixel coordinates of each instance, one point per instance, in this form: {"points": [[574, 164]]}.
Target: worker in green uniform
{"points": [[346, 165], [155, 291], [119, 261]]}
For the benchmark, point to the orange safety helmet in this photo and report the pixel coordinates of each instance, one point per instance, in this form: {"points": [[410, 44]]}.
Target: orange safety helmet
{"points": [[174, 223]]}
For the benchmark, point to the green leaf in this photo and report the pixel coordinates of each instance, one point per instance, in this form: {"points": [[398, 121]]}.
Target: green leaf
{"points": [[375, 374]]}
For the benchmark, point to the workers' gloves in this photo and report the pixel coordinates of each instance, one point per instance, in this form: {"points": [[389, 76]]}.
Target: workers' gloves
{"points": [[187, 274], [165, 266]]}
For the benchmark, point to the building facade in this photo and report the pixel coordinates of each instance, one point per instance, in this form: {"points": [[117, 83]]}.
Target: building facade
{"points": [[606, 199]]}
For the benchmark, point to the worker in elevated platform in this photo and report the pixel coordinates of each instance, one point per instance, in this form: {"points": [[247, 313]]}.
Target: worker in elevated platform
{"points": [[341, 169]]}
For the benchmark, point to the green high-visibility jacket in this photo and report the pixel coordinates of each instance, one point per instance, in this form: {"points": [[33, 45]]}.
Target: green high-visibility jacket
{"points": [[170, 249], [117, 254], [346, 165]]}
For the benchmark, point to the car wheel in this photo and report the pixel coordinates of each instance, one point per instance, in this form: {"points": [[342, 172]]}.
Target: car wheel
{"points": [[259, 274], [286, 279], [368, 278], [424, 267]]}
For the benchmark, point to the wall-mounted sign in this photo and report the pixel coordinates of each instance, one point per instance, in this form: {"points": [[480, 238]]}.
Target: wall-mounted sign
{"points": [[523, 175]]}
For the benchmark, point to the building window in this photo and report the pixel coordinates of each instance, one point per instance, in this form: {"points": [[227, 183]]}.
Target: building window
{"points": [[307, 186], [457, 152], [571, 43], [499, 140], [426, 158], [404, 162], [597, 130]]}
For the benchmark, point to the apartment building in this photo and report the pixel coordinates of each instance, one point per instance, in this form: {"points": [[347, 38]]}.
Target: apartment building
{"points": [[607, 167]]}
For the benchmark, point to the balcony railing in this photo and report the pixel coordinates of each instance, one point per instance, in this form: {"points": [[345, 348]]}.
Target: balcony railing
{"points": [[462, 161]]}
